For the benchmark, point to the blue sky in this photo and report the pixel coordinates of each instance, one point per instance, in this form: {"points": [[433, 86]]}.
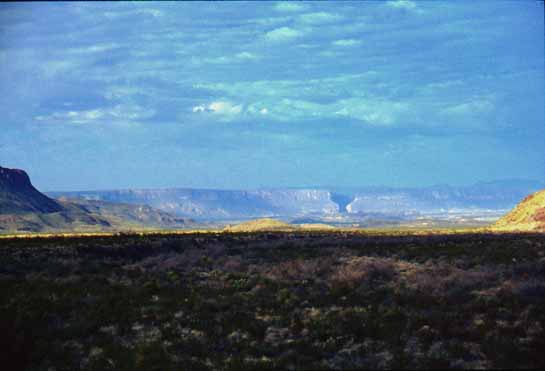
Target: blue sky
{"points": [[272, 94]]}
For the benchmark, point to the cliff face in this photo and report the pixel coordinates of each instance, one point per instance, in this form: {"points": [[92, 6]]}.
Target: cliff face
{"points": [[221, 204], [18, 195], [496, 195], [528, 215], [209, 204], [24, 209]]}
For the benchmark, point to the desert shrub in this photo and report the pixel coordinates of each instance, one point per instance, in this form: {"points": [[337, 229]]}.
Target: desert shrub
{"points": [[232, 264], [300, 269], [529, 269], [359, 270], [529, 291], [447, 282], [268, 301], [16, 344]]}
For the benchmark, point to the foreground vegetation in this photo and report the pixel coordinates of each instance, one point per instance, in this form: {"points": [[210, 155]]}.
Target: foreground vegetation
{"points": [[300, 300]]}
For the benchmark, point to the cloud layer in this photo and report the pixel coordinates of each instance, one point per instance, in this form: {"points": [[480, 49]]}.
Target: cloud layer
{"points": [[358, 88]]}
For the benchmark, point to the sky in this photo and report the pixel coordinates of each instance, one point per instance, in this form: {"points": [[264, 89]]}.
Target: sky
{"points": [[243, 95]]}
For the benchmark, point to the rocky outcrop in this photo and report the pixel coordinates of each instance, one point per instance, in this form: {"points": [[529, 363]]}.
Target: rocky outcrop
{"points": [[24, 209], [222, 204], [18, 195], [528, 215]]}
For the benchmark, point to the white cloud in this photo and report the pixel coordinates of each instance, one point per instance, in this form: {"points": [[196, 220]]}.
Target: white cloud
{"points": [[289, 7], [237, 58], [328, 54], [221, 107], [128, 13], [225, 108], [73, 117], [227, 111], [272, 21], [374, 112], [247, 56], [152, 12], [131, 112], [319, 18], [199, 108], [472, 108], [350, 96], [117, 114], [283, 34], [405, 5], [402, 4], [98, 48], [346, 42]]}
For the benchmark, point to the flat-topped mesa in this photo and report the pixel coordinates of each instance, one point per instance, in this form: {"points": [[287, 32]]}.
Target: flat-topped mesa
{"points": [[14, 179], [18, 195]]}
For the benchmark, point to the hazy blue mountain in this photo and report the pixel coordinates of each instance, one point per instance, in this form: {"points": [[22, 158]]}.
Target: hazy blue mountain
{"points": [[220, 204], [232, 204], [491, 195]]}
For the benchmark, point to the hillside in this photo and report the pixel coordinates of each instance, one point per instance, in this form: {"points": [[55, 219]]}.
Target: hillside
{"points": [[271, 225], [120, 214], [529, 215], [24, 209], [265, 224], [18, 195]]}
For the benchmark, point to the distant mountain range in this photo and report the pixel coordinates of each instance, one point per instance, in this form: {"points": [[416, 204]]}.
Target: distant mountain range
{"points": [[219, 204], [206, 204], [24, 209], [500, 195]]}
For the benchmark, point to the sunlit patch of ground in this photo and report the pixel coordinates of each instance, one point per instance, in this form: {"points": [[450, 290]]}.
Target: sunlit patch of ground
{"points": [[302, 228]]}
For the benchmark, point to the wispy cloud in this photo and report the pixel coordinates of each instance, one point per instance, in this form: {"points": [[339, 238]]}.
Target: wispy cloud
{"points": [[229, 59], [318, 18], [221, 108], [283, 34], [405, 5], [224, 110], [113, 115], [346, 42], [471, 108], [128, 13], [402, 4], [247, 56], [377, 112], [333, 72], [97, 48], [289, 7]]}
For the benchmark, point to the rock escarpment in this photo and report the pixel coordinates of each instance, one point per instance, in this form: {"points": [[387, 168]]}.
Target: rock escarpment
{"points": [[18, 195], [528, 215]]}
